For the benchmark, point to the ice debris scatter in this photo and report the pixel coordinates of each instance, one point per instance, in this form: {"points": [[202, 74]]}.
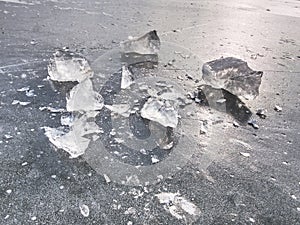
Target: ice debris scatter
{"points": [[128, 111], [178, 206]]}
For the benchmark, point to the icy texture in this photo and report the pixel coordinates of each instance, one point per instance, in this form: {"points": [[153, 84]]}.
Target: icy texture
{"points": [[146, 44], [127, 78], [179, 207], [161, 111], [74, 141], [84, 98], [234, 75], [68, 66]]}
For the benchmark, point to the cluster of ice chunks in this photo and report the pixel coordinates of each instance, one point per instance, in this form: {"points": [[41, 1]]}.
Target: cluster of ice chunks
{"points": [[227, 79], [82, 101]]}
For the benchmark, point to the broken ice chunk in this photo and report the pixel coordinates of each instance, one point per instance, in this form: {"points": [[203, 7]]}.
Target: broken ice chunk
{"points": [[127, 78], [179, 207], [84, 98], [68, 66], [161, 111], [146, 44], [74, 142], [233, 75]]}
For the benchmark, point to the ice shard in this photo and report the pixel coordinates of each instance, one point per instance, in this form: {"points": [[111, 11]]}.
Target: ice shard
{"points": [[84, 98], [144, 45], [127, 78], [233, 75], [161, 111], [68, 66], [142, 49], [73, 141]]}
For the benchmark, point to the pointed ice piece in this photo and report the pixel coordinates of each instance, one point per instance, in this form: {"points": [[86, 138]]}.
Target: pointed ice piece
{"points": [[68, 66], [127, 78], [145, 45], [234, 75], [161, 111], [74, 142], [84, 98]]}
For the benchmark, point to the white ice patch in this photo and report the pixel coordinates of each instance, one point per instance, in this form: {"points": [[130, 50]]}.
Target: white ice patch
{"points": [[84, 98], [161, 111], [16, 102], [127, 78], [74, 142], [178, 206]]}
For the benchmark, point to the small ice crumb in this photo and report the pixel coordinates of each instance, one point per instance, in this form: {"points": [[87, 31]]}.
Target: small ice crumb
{"points": [[7, 136], [23, 89], [278, 108], [6, 217], [130, 210], [129, 223], [8, 191], [61, 187], [84, 210], [298, 209], [30, 93], [285, 163], [154, 160], [24, 164], [252, 220], [222, 100], [293, 197], [53, 176], [160, 177], [107, 179], [245, 154], [15, 102], [33, 218]]}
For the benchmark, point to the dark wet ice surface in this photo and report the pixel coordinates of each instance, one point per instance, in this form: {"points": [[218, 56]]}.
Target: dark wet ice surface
{"points": [[223, 101]]}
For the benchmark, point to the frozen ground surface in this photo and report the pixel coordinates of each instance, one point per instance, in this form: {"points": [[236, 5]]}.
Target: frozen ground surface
{"points": [[250, 176]]}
